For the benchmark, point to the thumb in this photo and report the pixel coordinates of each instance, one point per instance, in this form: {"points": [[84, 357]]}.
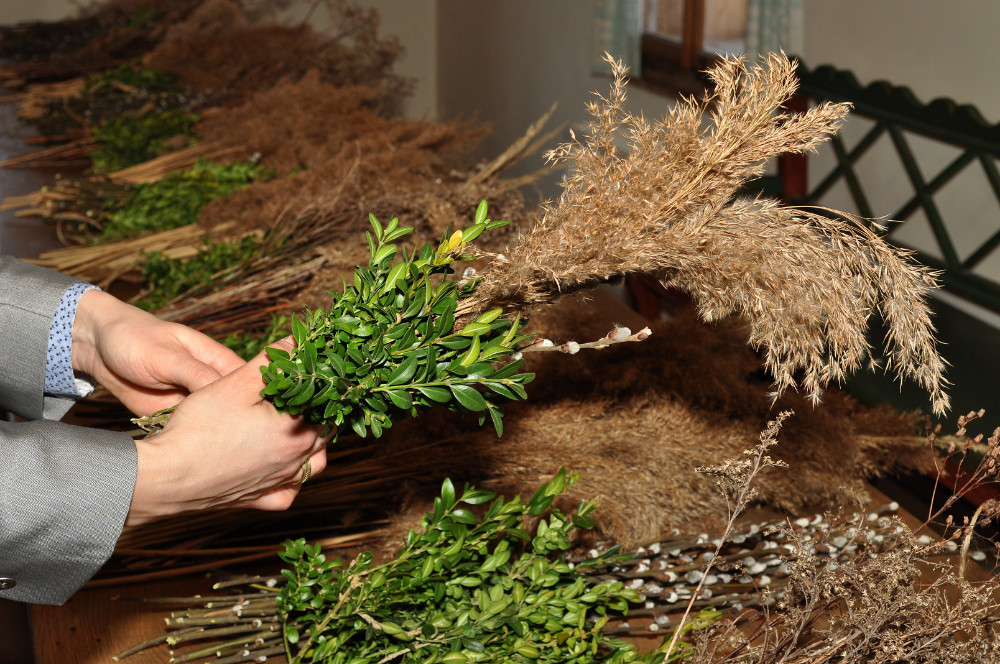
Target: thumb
{"points": [[248, 377]]}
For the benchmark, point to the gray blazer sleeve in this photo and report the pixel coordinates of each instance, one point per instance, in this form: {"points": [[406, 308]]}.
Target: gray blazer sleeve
{"points": [[64, 490], [29, 297]]}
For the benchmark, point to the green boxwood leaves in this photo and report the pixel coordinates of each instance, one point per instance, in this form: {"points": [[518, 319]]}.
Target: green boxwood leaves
{"points": [[464, 588], [387, 347]]}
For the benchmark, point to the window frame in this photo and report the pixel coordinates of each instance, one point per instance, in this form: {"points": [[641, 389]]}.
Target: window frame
{"points": [[675, 67]]}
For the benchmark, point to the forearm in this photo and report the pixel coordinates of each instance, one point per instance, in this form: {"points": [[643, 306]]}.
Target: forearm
{"points": [[66, 492]]}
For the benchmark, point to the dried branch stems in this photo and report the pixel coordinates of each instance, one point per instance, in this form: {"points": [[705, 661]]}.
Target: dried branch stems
{"points": [[735, 480], [670, 206]]}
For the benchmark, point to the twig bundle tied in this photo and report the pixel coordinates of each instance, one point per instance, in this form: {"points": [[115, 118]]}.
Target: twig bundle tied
{"points": [[671, 206]]}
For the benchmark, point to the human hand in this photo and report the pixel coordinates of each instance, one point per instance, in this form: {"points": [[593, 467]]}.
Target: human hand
{"points": [[147, 363], [225, 446]]}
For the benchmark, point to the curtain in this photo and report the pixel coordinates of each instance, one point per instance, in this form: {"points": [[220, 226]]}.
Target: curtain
{"points": [[617, 28], [774, 25]]}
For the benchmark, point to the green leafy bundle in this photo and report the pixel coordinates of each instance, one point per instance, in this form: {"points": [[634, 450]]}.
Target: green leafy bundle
{"points": [[461, 590], [177, 199], [127, 140], [129, 78], [387, 348], [249, 345], [166, 277]]}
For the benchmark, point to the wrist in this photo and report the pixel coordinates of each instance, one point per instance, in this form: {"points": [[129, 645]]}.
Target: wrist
{"points": [[156, 484], [91, 312]]}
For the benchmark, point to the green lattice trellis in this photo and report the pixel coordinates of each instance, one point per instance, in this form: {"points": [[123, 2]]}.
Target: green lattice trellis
{"points": [[895, 112]]}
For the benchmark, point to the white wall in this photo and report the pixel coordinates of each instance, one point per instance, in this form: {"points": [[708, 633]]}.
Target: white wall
{"points": [[508, 62], [16, 11], [415, 23], [938, 49]]}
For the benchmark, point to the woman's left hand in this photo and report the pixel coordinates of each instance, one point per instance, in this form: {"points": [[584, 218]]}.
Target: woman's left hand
{"points": [[147, 363]]}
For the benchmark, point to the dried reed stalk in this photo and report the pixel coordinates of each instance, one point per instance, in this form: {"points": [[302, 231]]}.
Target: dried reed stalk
{"points": [[349, 52], [36, 99], [65, 198], [178, 160], [671, 207], [66, 155], [103, 263]]}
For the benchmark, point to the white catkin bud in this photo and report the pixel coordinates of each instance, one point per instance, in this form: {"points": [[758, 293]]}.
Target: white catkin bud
{"points": [[572, 347], [545, 343], [469, 273], [622, 333], [517, 356]]}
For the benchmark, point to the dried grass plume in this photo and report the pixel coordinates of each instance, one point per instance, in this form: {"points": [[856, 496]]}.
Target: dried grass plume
{"points": [[671, 206]]}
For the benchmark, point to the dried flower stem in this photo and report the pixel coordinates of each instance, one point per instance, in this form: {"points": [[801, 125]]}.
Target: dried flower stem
{"points": [[735, 479]]}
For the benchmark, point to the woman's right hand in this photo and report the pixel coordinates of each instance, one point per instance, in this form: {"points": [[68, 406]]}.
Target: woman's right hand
{"points": [[225, 446]]}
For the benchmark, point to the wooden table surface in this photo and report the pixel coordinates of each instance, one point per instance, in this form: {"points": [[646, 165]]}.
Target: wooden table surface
{"points": [[94, 625]]}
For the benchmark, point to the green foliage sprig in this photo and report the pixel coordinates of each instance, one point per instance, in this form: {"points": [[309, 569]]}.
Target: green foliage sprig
{"points": [[131, 76], [248, 345], [167, 277], [127, 140], [177, 199], [386, 348], [461, 590]]}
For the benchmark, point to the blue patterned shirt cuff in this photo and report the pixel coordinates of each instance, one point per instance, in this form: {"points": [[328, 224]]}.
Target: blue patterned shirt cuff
{"points": [[60, 381]]}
